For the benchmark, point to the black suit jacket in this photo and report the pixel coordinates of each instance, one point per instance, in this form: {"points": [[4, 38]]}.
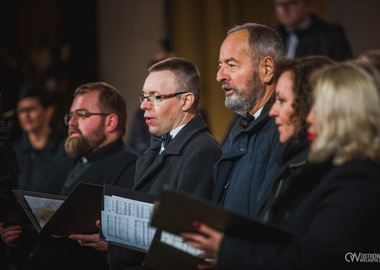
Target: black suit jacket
{"points": [[320, 38], [185, 165]]}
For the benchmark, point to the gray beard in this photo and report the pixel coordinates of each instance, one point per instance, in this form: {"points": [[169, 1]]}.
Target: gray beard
{"points": [[242, 104]]}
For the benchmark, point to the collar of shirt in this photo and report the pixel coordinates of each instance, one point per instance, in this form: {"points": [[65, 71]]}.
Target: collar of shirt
{"points": [[173, 133], [257, 114]]}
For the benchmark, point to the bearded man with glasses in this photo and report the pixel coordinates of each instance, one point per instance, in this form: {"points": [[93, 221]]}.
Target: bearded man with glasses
{"points": [[97, 154]]}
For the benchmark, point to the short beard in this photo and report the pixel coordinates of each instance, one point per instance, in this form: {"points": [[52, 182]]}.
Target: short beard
{"points": [[81, 146], [242, 103]]}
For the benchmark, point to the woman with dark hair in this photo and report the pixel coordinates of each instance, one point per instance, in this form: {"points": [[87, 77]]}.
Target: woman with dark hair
{"points": [[293, 102]]}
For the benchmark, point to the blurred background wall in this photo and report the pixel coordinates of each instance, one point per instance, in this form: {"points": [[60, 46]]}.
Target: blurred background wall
{"points": [[64, 43]]}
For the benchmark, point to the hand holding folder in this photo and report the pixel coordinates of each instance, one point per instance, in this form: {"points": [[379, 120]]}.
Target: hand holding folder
{"points": [[176, 212], [61, 215]]}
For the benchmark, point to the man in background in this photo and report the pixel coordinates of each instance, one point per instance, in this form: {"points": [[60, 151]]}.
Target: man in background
{"points": [[303, 33]]}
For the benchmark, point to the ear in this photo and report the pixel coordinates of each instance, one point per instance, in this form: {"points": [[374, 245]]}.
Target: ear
{"points": [[267, 66], [187, 101], [111, 122]]}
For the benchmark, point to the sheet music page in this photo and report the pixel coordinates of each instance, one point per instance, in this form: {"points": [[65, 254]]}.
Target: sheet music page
{"points": [[177, 242], [126, 221], [43, 208]]}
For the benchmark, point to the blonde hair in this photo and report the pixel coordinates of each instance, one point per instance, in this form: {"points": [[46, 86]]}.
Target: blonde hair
{"points": [[347, 112]]}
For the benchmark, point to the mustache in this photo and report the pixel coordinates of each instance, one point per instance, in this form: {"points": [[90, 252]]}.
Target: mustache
{"points": [[74, 130], [226, 86]]}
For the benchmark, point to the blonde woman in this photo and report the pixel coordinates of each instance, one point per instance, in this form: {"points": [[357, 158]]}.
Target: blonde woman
{"points": [[333, 205]]}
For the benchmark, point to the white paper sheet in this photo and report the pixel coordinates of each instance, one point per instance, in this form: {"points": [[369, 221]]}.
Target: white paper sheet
{"points": [[43, 208], [177, 242], [126, 221]]}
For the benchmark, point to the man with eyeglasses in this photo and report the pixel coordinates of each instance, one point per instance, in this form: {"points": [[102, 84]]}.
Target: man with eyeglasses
{"points": [[97, 154], [96, 124], [182, 151]]}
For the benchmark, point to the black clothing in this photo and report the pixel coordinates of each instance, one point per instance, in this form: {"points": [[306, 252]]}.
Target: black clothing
{"points": [[290, 157], [320, 38], [34, 164], [112, 164], [334, 212], [8, 169], [186, 165], [8, 182], [31, 167]]}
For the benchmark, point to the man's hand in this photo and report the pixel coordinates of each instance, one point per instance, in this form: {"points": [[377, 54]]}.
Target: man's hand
{"points": [[11, 234], [90, 240]]}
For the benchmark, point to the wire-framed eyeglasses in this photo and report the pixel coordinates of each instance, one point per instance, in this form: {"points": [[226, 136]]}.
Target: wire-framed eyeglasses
{"points": [[155, 99], [80, 115]]}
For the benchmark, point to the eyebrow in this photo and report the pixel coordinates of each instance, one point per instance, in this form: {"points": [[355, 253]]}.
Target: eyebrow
{"points": [[81, 109], [153, 92], [227, 60]]}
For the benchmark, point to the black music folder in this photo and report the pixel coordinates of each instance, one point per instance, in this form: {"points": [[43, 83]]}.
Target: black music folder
{"points": [[175, 213], [63, 215], [125, 217]]}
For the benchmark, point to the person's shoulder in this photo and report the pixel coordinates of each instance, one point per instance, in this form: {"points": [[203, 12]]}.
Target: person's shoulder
{"points": [[269, 126], [363, 168], [204, 139], [326, 26], [20, 142], [128, 152]]}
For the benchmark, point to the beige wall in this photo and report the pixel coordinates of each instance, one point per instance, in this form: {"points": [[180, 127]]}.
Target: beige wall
{"points": [[361, 20], [130, 33]]}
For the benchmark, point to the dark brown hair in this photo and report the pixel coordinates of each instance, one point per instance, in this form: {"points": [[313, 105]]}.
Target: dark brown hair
{"points": [[301, 69], [110, 100]]}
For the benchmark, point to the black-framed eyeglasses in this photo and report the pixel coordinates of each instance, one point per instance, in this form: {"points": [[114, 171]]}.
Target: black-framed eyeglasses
{"points": [[80, 115], [155, 99]]}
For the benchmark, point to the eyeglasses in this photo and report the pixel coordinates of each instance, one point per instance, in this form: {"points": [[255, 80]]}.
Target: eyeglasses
{"points": [[155, 100], [80, 115]]}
